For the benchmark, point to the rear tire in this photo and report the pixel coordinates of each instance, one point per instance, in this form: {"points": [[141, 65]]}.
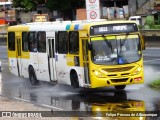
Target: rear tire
{"points": [[32, 77], [120, 87], [74, 79]]}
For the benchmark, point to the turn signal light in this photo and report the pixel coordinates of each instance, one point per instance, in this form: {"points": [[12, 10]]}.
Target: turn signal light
{"points": [[137, 79]]}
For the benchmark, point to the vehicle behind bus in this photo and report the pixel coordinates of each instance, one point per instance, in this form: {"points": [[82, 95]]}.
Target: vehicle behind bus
{"points": [[137, 19]]}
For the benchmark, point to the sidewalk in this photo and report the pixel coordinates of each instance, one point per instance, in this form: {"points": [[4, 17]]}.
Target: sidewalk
{"points": [[15, 105]]}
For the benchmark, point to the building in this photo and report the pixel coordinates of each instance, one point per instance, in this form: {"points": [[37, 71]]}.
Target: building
{"points": [[6, 10], [109, 9]]}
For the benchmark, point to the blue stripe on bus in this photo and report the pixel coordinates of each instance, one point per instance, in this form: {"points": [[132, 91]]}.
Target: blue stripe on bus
{"points": [[68, 27], [76, 27]]}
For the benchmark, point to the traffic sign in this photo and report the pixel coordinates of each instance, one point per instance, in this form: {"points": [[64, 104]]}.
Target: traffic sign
{"points": [[92, 4], [92, 1], [93, 9], [93, 15]]}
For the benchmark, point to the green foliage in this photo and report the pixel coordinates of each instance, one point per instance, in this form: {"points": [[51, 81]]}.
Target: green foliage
{"points": [[27, 4], [58, 4], [155, 84], [157, 27], [150, 22], [140, 26], [50, 4], [146, 27]]}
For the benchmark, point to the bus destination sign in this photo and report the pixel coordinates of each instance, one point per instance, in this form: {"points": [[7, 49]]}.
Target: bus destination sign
{"points": [[113, 29]]}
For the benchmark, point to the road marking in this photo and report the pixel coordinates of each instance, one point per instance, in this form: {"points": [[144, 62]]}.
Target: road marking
{"points": [[152, 48], [21, 99], [148, 55], [52, 107], [39, 104], [151, 60]]}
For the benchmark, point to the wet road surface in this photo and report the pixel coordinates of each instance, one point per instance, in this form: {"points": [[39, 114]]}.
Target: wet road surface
{"points": [[65, 98]]}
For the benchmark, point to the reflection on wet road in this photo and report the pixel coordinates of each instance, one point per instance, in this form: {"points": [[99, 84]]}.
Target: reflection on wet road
{"points": [[66, 98]]}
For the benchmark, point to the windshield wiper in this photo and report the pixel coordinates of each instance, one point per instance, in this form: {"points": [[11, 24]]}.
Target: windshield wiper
{"points": [[107, 42], [122, 43]]}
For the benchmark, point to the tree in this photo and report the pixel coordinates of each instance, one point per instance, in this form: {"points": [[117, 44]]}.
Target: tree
{"points": [[149, 22], [27, 4], [58, 4]]}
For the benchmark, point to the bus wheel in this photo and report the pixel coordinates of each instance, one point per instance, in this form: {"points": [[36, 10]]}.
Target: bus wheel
{"points": [[120, 87], [32, 76], [74, 79]]}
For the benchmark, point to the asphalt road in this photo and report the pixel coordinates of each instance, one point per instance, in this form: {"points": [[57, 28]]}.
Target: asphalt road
{"points": [[65, 98]]}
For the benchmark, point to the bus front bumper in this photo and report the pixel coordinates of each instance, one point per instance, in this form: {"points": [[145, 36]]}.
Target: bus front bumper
{"points": [[104, 82]]}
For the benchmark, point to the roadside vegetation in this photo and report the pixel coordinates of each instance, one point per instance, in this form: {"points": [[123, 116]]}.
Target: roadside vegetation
{"points": [[150, 23], [155, 84]]}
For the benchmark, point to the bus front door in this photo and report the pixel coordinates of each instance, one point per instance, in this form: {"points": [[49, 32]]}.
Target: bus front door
{"points": [[85, 61], [18, 55], [51, 59]]}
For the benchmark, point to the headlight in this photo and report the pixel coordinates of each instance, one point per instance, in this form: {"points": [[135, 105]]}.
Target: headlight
{"points": [[98, 74], [137, 71]]}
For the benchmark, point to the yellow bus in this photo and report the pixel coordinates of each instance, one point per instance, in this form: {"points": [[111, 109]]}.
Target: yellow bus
{"points": [[89, 54]]}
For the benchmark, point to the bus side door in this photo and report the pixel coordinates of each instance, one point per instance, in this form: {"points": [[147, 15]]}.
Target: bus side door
{"points": [[51, 58], [19, 55], [85, 60], [12, 53]]}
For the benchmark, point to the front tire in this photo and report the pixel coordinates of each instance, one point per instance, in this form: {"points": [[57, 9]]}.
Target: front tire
{"points": [[120, 87], [32, 77]]}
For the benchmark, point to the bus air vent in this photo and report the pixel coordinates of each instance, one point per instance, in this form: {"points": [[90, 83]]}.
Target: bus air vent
{"points": [[112, 75], [124, 74], [119, 69]]}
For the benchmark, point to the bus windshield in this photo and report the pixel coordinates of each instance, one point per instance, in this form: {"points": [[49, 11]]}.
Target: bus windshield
{"points": [[111, 50]]}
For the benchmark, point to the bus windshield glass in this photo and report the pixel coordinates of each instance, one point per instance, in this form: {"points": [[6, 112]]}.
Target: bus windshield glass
{"points": [[111, 50]]}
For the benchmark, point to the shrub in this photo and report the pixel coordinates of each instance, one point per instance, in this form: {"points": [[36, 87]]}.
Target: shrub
{"points": [[150, 22], [157, 27]]}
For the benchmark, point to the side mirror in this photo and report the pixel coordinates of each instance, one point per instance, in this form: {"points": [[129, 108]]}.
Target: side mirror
{"points": [[142, 42], [89, 46]]}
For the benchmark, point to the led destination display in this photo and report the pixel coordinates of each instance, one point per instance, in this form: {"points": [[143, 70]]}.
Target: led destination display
{"points": [[113, 29]]}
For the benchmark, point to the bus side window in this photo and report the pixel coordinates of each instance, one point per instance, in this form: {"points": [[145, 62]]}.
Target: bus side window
{"points": [[42, 42], [63, 42], [32, 36], [24, 42], [73, 42], [11, 41]]}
